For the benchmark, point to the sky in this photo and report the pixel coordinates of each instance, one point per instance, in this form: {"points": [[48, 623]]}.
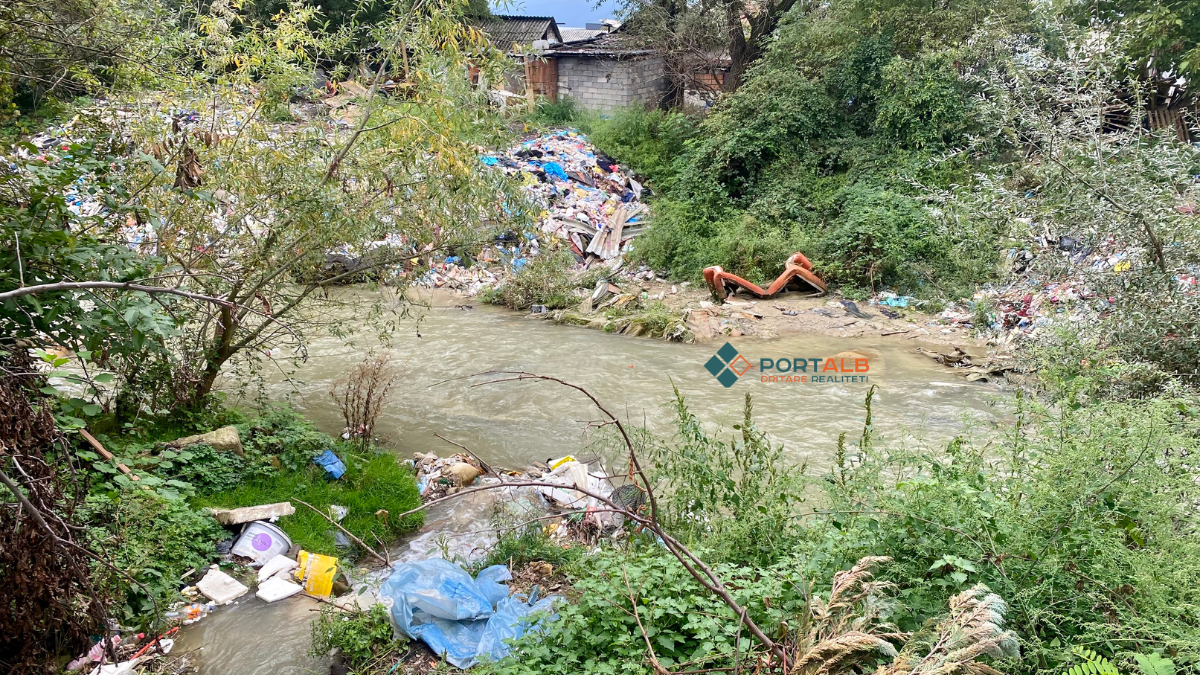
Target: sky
{"points": [[573, 13]]}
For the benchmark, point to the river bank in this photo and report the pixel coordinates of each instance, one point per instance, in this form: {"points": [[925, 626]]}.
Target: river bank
{"points": [[516, 425]]}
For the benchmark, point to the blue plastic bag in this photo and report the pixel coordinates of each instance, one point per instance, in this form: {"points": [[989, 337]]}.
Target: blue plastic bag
{"points": [[438, 603], [555, 169], [330, 462]]}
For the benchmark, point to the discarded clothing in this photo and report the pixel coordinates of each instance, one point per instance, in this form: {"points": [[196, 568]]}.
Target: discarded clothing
{"points": [[465, 619]]}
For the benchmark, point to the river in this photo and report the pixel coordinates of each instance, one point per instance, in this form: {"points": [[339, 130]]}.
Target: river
{"points": [[512, 424]]}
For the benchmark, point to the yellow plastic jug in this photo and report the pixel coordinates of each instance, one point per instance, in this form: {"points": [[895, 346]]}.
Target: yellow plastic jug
{"points": [[317, 572]]}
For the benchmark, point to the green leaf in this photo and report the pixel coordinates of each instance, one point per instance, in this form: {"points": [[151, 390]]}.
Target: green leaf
{"points": [[1153, 664], [91, 410], [104, 377]]}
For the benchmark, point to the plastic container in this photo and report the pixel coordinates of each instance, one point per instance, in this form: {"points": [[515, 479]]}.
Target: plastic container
{"points": [[317, 572], [261, 541]]}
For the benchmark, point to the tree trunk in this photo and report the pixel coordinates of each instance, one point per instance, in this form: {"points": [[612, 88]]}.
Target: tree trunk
{"points": [[217, 357], [743, 50]]}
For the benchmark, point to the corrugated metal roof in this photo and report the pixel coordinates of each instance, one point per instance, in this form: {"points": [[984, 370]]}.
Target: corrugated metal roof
{"points": [[605, 44], [505, 31], [570, 35]]}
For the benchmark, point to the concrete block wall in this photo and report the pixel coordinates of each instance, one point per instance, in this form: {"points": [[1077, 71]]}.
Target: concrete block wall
{"points": [[606, 83]]}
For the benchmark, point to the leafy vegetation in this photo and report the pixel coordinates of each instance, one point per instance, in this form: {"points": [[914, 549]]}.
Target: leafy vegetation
{"points": [[546, 280], [1077, 517], [363, 639]]}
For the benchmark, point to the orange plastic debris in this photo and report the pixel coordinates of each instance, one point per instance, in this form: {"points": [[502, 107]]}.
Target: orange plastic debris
{"points": [[797, 276]]}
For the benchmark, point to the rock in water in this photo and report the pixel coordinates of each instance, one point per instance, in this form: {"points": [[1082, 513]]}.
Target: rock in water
{"points": [[464, 473]]}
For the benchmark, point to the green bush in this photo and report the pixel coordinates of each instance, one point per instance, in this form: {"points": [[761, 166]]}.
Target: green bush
{"points": [[780, 115], [650, 141], [686, 624], [528, 544], [363, 638], [547, 279], [923, 102], [560, 113], [154, 541], [1081, 517]]}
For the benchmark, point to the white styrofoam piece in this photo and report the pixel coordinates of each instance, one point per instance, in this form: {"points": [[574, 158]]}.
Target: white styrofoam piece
{"points": [[275, 565], [220, 587], [277, 589]]}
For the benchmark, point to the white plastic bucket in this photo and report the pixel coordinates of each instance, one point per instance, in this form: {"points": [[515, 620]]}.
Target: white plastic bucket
{"points": [[261, 541]]}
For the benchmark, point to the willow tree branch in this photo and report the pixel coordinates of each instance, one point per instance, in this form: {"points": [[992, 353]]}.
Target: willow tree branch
{"points": [[115, 285]]}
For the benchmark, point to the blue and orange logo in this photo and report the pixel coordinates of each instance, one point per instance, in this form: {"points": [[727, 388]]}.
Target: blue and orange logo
{"points": [[727, 366]]}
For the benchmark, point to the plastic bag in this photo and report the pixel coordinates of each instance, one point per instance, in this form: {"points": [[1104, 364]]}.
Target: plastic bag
{"points": [[330, 462], [438, 603]]}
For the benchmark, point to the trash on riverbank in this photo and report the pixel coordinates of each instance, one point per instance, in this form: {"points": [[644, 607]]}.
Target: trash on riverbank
{"points": [[439, 476], [260, 541], [248, 514], [797, 275], [277, 566], [276, 588], [588, 199], [334, 468], [221, 588], [317, 572], [588, 202], [461, 618]]}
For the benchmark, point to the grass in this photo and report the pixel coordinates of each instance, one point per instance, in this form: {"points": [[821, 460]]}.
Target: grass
{"points": [[520, 547], [370, 485]]}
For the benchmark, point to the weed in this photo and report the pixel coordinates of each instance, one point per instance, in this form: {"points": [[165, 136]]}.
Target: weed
{"points": [[546, 280], [530, 544], [363, 638]]}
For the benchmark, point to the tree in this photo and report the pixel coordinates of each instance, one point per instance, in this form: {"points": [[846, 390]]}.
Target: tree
{"points": [[699, 35], [72, 47], [1097, 180], [1163, 38], [243, 203]]}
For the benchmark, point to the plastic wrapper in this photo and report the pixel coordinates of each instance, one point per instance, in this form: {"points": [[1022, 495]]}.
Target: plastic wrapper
{"points": [[465, 619]]}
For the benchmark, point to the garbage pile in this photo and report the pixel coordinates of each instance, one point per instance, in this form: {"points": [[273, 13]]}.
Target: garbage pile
{"points": [[1030, 302], [130, 652], [438, 477], [588, 201], [587, 198], [584, 517]]}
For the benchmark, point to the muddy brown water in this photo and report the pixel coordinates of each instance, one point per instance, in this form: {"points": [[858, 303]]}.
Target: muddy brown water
{"points": [[513, 424]]}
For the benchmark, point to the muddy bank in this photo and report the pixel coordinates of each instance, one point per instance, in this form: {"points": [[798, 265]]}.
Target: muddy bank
{"points": [[788, 314]]}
